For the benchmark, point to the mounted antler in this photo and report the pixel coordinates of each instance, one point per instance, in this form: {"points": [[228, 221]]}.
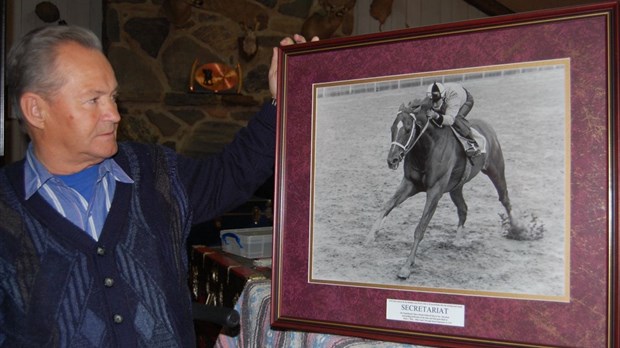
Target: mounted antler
{"points": [[248, 44], [324, 23]]}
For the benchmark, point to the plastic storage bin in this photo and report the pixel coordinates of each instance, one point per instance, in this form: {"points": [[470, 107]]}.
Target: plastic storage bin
{"points": [[252, 243]]}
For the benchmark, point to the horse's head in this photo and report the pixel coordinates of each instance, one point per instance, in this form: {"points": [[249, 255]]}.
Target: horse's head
{"points": [[403, 134], [404, 137]]}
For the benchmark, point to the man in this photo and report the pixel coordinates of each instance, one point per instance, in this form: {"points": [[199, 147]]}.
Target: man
{"points": [[92, 234], [451, 104]]}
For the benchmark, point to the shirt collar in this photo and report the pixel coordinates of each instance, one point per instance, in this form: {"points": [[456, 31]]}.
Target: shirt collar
{"points": [[36, 175]]}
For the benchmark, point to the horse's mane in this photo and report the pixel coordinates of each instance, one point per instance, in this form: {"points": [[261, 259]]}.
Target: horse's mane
{"points": [[414, 104]]}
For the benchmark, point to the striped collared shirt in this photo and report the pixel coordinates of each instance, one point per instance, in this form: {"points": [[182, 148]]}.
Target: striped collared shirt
{"points": [[88, 216]]}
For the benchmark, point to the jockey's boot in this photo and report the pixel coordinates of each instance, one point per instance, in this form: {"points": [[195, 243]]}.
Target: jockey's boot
{"points": [[473, 149]]}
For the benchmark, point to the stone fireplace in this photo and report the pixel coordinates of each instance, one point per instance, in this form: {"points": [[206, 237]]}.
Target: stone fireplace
{"points": [[153, 60]]}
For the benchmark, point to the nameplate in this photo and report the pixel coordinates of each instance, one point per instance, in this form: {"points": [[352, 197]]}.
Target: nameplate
{"points": [[426, 312]]}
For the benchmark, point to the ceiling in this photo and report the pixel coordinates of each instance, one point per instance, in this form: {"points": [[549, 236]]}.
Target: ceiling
{"points": [[501, 7]]}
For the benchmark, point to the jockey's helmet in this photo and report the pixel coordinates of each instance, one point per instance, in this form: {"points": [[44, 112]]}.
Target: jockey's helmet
{"points": [[436, 91]]}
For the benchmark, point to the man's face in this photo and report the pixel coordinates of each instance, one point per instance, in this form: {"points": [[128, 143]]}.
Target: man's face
{"points": [[82, 116], [437, 104]]}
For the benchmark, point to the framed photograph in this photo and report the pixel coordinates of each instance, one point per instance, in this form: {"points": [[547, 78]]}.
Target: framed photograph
{"points": [[453, 185]]}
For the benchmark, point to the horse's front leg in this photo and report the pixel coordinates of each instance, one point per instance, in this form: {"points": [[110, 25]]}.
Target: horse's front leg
{"points": [[405, 190], [432, 199]]}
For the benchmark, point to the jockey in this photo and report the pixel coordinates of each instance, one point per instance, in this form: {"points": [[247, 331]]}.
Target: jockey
{"points": [[451, 104]]}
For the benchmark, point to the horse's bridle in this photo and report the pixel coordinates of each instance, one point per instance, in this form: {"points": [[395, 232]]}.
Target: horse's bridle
{"points": [[410, 142]]}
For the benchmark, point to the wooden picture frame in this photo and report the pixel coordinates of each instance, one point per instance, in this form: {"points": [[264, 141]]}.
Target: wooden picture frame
{"points": [[548, 82]]}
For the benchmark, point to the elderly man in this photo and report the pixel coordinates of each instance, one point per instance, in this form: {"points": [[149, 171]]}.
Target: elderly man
{"points": [[92, 234]]}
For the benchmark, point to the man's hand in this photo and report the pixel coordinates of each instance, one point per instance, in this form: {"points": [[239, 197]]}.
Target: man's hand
{"points": [[273, 69], [432, 114]]}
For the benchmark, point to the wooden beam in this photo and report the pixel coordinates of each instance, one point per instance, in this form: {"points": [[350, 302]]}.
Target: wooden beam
{"points": [[490, 7]]}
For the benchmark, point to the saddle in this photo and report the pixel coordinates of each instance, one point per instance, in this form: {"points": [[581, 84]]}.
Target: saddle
{"points": [[482, 143], [479, 138]]}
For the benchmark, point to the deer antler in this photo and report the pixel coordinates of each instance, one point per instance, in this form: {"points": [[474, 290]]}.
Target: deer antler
{"points": [[325, 23], [248, 44]]}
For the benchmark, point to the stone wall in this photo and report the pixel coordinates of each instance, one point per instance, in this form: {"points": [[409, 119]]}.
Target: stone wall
{"points": [[153, 61]]}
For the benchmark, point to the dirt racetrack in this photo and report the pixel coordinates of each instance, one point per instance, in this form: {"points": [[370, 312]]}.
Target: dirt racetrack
{"points": [[528, 112]]}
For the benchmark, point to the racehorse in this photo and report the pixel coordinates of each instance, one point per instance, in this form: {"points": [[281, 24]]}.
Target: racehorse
{"points": [[435, 162]]}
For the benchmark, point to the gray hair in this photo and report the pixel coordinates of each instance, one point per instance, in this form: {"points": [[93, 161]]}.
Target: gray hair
{"points": [[31, 62]]}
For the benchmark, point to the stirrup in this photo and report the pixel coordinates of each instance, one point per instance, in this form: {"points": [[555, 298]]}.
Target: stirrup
{"points": [[472, 150]]}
